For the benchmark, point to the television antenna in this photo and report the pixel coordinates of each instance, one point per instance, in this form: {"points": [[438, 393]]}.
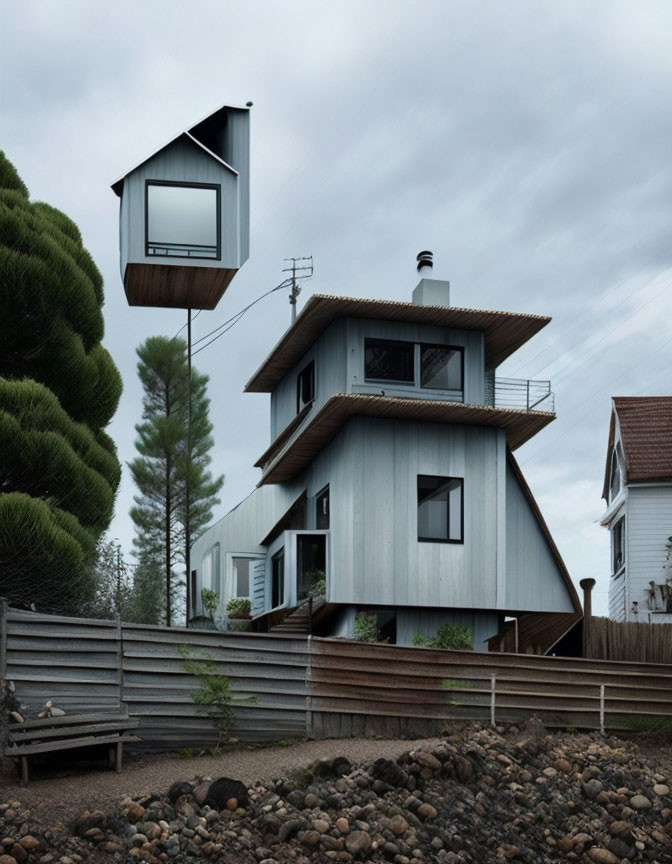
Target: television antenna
{"points": [[297, 267]]}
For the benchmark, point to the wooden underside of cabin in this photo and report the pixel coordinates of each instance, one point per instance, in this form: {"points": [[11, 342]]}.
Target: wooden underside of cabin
{"points": [[175, 286]]}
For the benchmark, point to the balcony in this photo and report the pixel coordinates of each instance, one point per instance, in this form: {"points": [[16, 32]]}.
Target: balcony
{"points": [[518, 393]]}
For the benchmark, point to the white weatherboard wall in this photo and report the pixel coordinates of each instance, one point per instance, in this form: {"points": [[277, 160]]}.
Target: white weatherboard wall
{"points": [[533, 579], [648, 524]]}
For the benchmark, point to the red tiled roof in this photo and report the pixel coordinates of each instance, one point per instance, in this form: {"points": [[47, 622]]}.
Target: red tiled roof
{"points": [[646, 433]]}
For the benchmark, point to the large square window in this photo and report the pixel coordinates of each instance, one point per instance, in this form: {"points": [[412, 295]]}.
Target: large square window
{"points": [[389, 361], [440, 509], [182, 220], [440, 367]]}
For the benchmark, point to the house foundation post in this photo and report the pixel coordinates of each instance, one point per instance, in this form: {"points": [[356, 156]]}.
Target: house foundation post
{"points": [[587, 585]]}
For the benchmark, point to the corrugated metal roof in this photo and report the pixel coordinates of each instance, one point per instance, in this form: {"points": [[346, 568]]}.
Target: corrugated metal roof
{"points": [[504, 332], [646, 432], [283, 461]]}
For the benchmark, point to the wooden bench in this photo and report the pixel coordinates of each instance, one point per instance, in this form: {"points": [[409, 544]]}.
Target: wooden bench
{"points": [[68, 732]]}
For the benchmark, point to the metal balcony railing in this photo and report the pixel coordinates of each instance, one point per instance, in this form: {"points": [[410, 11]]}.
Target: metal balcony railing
{"points": [[518, 393]]}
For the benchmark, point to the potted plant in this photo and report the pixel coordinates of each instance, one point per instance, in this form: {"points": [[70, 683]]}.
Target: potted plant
{"points": [[238, 610]]}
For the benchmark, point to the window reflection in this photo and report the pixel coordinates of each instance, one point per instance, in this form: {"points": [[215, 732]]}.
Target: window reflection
{"points": [[182, 221]]}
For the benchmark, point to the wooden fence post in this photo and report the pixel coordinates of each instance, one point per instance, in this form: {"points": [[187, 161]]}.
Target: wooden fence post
{"points": [[493, 679], [3, 641], [602, 708], [309, 699]]}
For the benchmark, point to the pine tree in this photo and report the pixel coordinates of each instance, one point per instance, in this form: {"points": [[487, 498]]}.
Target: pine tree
{"points": [[171, 471], [58, 390]]}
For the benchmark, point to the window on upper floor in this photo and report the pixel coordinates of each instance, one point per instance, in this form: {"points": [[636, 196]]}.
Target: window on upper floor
{"points": [[428, 367], [614, 476], [182, 220], [305, 386], [322, 509], [387, 360], [440, 509], [618, 546], [441, 367]]}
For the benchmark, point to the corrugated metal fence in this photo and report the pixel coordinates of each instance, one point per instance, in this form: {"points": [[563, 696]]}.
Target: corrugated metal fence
{"points": [[316, 687], [83, 663]]}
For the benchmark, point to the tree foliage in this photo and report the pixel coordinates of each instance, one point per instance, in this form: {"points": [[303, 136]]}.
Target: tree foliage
{"points": [[172, 468], [58, 389]]}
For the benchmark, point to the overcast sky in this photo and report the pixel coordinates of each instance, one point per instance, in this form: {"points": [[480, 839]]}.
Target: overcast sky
{"points": [[526, 143]]}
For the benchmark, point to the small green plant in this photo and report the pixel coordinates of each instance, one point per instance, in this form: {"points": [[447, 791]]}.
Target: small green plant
{"points": [[214, 694], [210, 601], [317, 583], [451, 684], [454, 703], [449, 637], [366, 627], [188, 752], [238, 607]]}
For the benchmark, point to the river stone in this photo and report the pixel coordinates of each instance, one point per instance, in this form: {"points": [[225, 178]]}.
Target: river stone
{"points": [[389, 772], [602, 856], [200, 792], [640, 802], [398, 825], [661, 789], [222, 790], [426, 811], [357, 841], [591, 789]]}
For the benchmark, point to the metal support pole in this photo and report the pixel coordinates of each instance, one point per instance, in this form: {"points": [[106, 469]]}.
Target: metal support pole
{"points": [[493, 679], [602, 708], [187, 520]]}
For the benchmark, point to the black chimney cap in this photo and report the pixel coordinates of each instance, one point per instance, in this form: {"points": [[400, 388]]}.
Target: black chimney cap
{"points": [[425, 259]]}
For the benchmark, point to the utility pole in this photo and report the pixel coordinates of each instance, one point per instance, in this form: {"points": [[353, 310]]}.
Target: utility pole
{"points": [[187, 519], [295, 289]]}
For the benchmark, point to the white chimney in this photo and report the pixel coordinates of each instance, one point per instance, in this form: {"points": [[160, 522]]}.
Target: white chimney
{"points": [[430, 292]]}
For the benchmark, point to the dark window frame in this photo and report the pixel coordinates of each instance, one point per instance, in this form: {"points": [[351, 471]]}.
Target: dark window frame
{"points": [[618, 531], [300, 403], [218, 189], [456, 348], [321, 495], [615, 474], [447, 539], [391, 343]]}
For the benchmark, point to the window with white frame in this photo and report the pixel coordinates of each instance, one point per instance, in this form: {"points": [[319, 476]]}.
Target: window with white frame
{"points": [[211, 572], [241, 583], [614, 476]]}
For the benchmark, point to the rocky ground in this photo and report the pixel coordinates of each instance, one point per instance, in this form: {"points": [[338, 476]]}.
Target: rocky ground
{"points": [[480, 796]]}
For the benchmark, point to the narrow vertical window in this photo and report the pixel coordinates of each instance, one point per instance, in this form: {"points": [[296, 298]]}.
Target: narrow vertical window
{"points": [[305, 387], [322, 509], [618, 545], [440, 509], [241, 576]]}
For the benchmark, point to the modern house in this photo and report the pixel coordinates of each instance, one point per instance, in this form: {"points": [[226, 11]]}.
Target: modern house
{"points": [[638, 492], [390, 473]]}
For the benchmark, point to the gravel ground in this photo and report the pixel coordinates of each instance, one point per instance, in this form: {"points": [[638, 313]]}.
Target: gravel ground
{"points": [[88, 787]]}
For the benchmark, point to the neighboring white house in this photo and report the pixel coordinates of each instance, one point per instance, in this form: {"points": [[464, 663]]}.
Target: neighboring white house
{"points": [[390, 471], [638, 492]]}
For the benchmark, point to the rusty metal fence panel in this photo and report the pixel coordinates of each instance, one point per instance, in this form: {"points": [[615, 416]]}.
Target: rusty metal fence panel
{"points": [[383, 689]]}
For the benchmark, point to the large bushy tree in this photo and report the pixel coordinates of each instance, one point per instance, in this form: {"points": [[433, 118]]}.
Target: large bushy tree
{"points": [[58, 390], [171, 471]]}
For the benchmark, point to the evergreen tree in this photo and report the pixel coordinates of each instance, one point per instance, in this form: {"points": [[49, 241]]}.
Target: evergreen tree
{"points": [[112, 576], [147, 601], [171, 471], [58, 390]]}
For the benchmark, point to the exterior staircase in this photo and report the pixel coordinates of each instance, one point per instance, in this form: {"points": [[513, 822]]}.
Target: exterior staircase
{"points": [[297, 620]]}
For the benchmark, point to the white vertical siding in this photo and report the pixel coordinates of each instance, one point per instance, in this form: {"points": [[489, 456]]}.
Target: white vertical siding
{"points": [[648, 524], [617, 611]]}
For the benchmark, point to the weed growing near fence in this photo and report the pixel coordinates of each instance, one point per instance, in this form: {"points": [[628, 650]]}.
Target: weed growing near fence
{"points": [[449, 637], [214, 694], [366, 627]]}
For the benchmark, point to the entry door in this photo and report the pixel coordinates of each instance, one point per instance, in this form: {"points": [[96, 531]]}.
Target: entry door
{"points": [[278, 579]]}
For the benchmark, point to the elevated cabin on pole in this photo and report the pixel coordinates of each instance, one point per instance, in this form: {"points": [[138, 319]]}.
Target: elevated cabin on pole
{"points": [[184, 222], [389, 485]]}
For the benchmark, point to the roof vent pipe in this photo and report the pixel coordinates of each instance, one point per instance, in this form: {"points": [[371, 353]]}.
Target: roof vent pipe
{"points": [[425, 263]]}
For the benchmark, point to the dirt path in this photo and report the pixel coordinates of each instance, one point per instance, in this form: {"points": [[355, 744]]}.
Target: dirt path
{"points": [[89, 787]]}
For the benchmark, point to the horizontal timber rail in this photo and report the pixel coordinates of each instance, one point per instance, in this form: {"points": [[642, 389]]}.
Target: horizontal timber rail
{"points": [[382, 689], [293, 686]]}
